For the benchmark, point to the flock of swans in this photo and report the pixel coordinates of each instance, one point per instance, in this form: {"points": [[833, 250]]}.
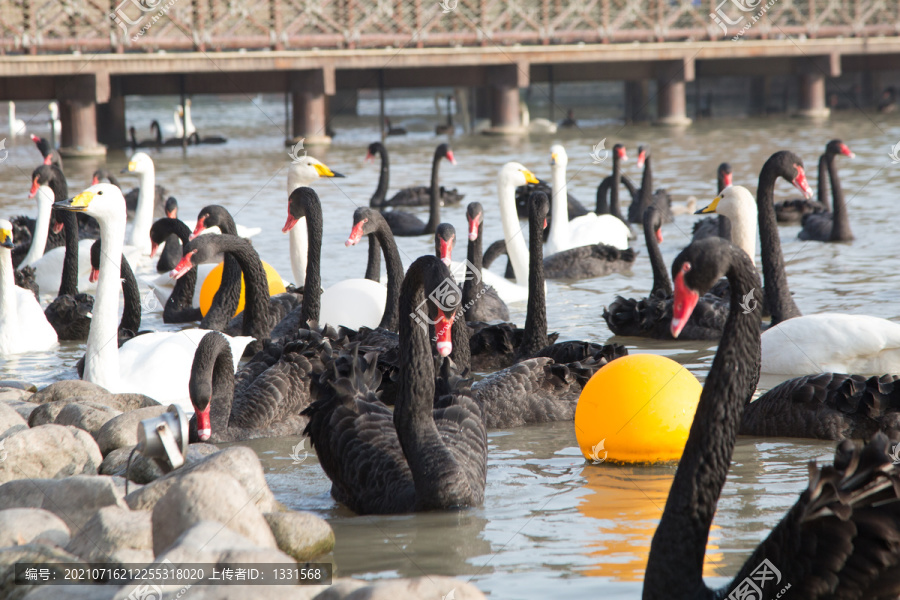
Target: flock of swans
{"points": [[375, 369]]}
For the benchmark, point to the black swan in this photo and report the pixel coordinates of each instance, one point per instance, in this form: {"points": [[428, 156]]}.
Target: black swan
{"points": [[608, 202], [69, 313], [147, 143], [650, 317], [646, 195], [721, 226], [50, 154], [257, 401], [444, 241], [163, 204], [830, 226], [179, 307], [195, 139], [480, 302], [430, 453], [588, 261], [794, 211], [389, 129], [421, 195], [838, 541], [384, 174], [523, 193]]}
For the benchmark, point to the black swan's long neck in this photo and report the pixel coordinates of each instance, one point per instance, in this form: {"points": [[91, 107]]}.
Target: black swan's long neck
{"points": [[131, 313], [227, 297], [391, 316], [68, 285], [840, 226], [778, 294], [434, 470], [256, 303], [434, 214], [384, 179], [535, 334], [312, 285], [675, 565], [614, 185], [646, 185], [602, 207], [473, 285], [824, 172], [182, 295], [213, 363], [662, 285], [373, 264]]}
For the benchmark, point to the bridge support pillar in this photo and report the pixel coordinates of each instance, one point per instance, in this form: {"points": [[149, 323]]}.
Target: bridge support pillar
{"points": [[344, 102], [505, 81], [77, 97], [812, 96], [636, 94], [111, 122], [670, 102], [760, 91], [310, 109]]}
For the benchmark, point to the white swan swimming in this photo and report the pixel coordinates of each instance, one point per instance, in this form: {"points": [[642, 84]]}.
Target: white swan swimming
{"points": [[16, 126], [155, 364], [23, 326], [586, 230], [738, 204], [513, 175]]}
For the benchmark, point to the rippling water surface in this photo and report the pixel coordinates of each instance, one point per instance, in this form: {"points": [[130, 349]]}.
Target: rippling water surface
{"points": [[551, 525]]}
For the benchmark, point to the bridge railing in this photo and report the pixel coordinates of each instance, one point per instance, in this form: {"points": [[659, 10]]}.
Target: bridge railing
{"points": [[52, 26]]}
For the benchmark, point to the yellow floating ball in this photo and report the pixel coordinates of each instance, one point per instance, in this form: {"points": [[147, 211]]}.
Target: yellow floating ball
{"points": [[638, 408], [214, 280]]}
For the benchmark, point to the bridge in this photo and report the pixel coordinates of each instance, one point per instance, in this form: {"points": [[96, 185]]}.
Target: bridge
{"points": [[90, 54]]}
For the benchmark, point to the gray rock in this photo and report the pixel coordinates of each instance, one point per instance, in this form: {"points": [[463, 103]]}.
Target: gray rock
{"points": [[432, 586], [15, 384], [80, 592], [210, 542], [10, 421], [208, 496], [115, 534], [48, 451], [122, 430], [341, 588], [302, 535], [144, 470], [85, 390], [74, 499], [20, 526], [23, 408], [246, 592], [239, 462], [30, 553], [89, 416]]}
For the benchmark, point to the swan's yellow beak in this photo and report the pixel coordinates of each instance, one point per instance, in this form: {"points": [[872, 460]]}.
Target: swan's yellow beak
{"points": [[529, 177], [552, 159], [131, 166], [711, 208], [6, 239], [78, 203], [324, 171]]}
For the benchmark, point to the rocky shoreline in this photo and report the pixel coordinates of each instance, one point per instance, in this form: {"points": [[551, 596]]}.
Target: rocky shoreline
{"points": [[63, 455]]}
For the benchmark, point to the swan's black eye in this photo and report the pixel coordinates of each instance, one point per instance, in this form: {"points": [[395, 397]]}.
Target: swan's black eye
{"points": [[100, 193]]}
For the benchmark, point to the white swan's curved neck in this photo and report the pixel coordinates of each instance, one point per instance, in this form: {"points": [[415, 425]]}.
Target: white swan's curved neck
{"points": [[143, 214], [8, 305], [101, 365], [559, 208], [744, 225], [188, 124], [41, 227], [512, 231]]}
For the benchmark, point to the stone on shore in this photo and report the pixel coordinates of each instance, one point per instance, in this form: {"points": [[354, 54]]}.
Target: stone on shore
{"points": [[10, 421], [210, 542], [20, 526], [432, 586], [115, 535], [302, 535], [75, 500], [121, 431], [145, 470], [29, 553], [49, 452]]}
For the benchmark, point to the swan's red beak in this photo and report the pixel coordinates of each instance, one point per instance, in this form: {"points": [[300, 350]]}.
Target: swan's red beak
{"points": [[198, 229], [204, 428], [172, 214], [57, 227], [642, 156], [473, 228], [622, 155], [801, 183], [355, 234], [685, 302], [94, 276], [35, 138], [442, 329], [450, 157], [369, 156], [34, 188], [48, 159], [183, 266], [95, 180], [846, 151], [544, 226], [153, 248], [659, 237], [446, 251], [289, 224], [727, 178]]}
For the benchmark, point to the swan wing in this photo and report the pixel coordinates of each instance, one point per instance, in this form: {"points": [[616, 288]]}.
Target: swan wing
{"points": [[353, 303], [30, 331], [598, 229]]}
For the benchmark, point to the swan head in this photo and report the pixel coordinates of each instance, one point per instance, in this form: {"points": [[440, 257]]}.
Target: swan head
{"points": [[95, 262], [53, 107], [6, 234], [305, 170], [475, 217], [513, 173], [103, 201], [204, 249], [444, 240], [140, 163], [366, 221], [838, 147], [444, 151], [42, 176], [643, 153], [209, 217], [442, 298], [725, 174], [172, 208], [653, 221], [538, 208], [735, 202], [619, 152], [376, 148], [300, 203], [558, 156], [788, 165]]}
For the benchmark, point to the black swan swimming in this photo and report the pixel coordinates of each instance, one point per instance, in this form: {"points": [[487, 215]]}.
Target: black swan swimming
{"points": [[794, 211], [179, 306], [69, 313], [830, 226], [838, 541], [421, 195], [480, 302], [51, 155], [403, 223], [646, 195], [430, 453]]}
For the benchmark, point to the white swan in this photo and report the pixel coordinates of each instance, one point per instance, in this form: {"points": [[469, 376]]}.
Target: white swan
{"points": [[586, 230], [142, 165], [513, 175], [303, 171], [155, 364], [539, 125], [45, 199], [16, 126], [23, 326], [188, 123], [55, 123], [738, 204]]}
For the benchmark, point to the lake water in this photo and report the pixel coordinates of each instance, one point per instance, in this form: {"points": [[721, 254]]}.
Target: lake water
{"points": [[552, 525]]}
